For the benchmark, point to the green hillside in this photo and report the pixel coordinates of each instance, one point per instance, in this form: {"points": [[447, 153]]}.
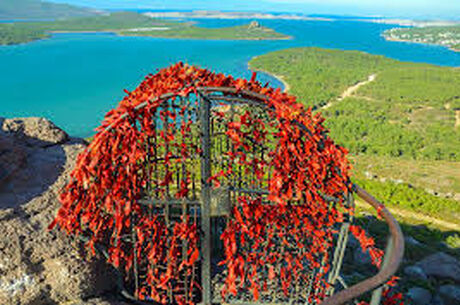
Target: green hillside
{"points": [[243, 32], [131, 24], [37, 9], [406, 114]]}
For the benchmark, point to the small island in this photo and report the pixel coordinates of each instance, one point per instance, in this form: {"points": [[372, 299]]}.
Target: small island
{"points": [[448, 36], [252, 31], [132, 24]]}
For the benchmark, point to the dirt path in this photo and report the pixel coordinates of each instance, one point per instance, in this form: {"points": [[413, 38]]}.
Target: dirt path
{"points": [[417, 216], [352, 89]]}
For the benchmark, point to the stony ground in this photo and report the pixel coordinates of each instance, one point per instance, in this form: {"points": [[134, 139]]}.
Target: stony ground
{"points": [[38, 266]]}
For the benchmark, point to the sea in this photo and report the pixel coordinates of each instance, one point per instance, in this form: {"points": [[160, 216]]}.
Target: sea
{"points": [[74, 79]]}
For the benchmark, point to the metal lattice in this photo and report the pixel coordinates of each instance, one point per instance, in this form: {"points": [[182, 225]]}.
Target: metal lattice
{"points": [[207, 113], [187, 192]]}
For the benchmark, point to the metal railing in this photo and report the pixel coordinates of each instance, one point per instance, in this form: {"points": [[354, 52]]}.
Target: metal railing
{"points": [[392, 259]]}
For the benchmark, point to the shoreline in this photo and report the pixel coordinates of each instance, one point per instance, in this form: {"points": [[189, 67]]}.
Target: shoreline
{"points": [[286, 86], [129, 33], [204, 38], [233, 16], [410, 22], [421, 43]]}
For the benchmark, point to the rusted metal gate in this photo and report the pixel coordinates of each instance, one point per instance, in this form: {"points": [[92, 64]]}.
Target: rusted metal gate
{"points": [[210, 110]]}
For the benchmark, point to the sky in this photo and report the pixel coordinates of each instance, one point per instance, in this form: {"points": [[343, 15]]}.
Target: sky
{"points": [[429, 9]]}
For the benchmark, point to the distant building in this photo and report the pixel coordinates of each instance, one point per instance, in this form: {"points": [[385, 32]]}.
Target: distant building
{"points": [[254, 24]]}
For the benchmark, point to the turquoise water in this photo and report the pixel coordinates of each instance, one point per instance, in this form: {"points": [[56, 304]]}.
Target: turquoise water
{"points": [[74, 79]]}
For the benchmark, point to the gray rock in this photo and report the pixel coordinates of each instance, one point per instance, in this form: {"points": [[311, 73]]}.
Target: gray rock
{"points": [[28, 166], [450, 294], [38, 132], [37, 266], [415, 272], [411, 241], [437, 300], [419, 296], [12, 157], [442, 266]]}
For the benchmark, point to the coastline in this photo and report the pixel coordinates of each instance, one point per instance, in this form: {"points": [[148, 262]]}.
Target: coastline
{"points": [[286, 86], [203, 38], [411, 23], [132, 33], [422, 43], [234, 15]]}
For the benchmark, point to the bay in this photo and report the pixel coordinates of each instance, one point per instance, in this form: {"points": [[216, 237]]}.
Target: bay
{"points": [[74, 79]]}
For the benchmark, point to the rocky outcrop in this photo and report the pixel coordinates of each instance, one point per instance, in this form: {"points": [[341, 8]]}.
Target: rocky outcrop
{"points": [[33, 154], [38, 266], [441, 265], [34, 131]]}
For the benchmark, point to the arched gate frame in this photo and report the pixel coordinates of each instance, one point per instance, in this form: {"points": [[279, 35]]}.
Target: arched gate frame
{"points": [[210, 207]]}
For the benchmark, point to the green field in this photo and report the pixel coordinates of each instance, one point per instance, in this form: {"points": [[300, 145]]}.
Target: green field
{"points": [[402, 127], [133, 24], [448, 36]]}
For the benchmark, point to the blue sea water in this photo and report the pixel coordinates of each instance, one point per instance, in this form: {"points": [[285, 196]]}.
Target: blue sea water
{"points": [[74, 79]]}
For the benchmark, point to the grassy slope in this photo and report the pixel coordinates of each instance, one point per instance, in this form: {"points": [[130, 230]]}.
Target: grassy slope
{"points": [[37, 9], [122, 21], [316, 76], [405, 118], [113, 22]]}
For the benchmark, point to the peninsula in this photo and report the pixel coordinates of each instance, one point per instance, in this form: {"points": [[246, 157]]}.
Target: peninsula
{"points": [[132, 24], [448, 36], [233, 15], [399, 120]]}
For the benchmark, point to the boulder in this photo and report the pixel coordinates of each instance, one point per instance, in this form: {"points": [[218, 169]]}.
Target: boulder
{"points": [[450, 294], [31, 159], [419, 296], [415, 272], [34, 131], [38, 266], [442, 266]]}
